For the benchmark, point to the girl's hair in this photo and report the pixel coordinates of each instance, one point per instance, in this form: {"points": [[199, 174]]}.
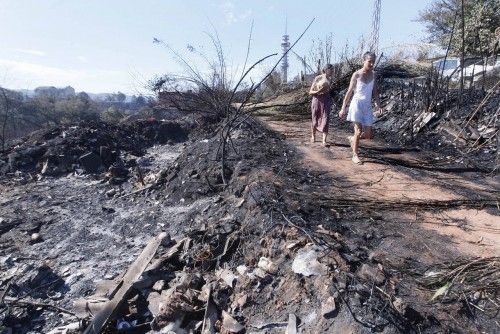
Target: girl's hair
{"points": [[326, 67], [369, 54]]}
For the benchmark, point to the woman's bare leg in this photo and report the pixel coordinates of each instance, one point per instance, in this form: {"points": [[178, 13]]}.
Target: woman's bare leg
{"points": [[313, 133], [367, 133], [355, 142], [324, 138]]}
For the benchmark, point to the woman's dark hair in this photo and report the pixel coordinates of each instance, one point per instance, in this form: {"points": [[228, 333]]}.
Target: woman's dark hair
{"points": [[326, 67], [369, 54]]}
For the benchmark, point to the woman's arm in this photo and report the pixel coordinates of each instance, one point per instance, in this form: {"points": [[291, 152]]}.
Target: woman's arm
{"points": [[347, 97], [376, 95], [313, 89]]}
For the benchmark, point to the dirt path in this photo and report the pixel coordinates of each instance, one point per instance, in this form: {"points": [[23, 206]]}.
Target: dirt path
{"points": [[472, 232]]}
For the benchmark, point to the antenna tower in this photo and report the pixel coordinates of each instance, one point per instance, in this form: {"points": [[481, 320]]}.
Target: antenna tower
{"points": [[285, 45]]}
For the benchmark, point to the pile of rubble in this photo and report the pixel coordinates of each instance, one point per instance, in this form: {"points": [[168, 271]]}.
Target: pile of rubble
{"points": [[466, 129], [87, 148]]}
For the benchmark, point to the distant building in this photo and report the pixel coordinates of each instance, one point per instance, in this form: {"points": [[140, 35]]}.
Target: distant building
{"points": [[55, 92], [473, 67]]}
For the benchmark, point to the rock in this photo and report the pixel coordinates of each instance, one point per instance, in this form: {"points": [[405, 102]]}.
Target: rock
{"points": [[259, 273], [371, 273], [306, 263], [475, 297], [154, 299], [159, 285], [399, 305], [173, 327], [91, 163], [242, 269], [205, 292], [109, 276], [108, 209], [328, 308], [267, 265], [229, 325], [111, 192], [115, 171], [226, 276], [35, 237], [242, 300]]}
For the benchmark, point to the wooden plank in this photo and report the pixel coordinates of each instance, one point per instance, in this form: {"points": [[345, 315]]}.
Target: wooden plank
{"points": [[133, 273], [291, 328], [210, 317], [422, 120]]}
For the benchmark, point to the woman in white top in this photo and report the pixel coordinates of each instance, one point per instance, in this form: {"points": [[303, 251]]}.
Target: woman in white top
{"points": [[360, 109]]}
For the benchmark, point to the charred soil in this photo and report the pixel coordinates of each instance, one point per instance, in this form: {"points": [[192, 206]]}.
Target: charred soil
{"points": [[297, 238]]}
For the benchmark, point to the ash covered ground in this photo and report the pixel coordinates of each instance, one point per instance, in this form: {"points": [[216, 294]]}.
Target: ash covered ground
{"points": [[279, 246]]}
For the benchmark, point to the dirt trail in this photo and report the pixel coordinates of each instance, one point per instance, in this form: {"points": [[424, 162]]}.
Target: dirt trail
{"points": [[472, 232]]}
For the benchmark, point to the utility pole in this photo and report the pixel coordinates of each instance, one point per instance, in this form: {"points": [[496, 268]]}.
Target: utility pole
{"points": [[375, 26]]}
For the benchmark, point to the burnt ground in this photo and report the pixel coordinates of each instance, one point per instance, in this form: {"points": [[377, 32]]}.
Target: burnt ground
{"points": [[297, 229]]}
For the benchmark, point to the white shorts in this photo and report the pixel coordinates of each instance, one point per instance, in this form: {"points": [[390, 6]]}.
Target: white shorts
{"points": [[360, 111]]}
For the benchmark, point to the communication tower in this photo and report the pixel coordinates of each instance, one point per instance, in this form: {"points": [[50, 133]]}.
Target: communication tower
{"points": [[285, 45]]}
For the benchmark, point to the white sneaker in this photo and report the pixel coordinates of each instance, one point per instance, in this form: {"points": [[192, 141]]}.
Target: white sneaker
{"points": [[356, 160]]}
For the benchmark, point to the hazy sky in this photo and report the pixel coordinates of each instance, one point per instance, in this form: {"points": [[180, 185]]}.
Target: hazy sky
{"points": [[107, 45]]}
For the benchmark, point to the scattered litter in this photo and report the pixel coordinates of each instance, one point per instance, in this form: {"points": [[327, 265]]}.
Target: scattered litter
{"points": [[267, 265], [230, 325], [306, 262]]}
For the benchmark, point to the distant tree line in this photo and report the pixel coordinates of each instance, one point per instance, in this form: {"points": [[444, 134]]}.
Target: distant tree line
{"points": [[20, 114]]}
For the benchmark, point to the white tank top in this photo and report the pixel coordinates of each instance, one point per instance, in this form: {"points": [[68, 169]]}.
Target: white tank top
{"points": [[363, 90]]}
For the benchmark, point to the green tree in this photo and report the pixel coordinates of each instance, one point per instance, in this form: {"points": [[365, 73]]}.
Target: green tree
{"points": [[482, 18], [6, 109], [11, 115], [112, 115], [75, 109]]}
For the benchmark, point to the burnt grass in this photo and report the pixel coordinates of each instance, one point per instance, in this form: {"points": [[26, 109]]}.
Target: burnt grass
{"points": [[270, 207]]}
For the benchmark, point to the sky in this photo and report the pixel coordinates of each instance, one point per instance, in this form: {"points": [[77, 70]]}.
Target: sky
{"points": [[107, 45]]}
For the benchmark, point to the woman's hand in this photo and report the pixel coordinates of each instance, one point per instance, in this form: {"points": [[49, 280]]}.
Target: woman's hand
{"points": [[342, 112], [379, 111]]}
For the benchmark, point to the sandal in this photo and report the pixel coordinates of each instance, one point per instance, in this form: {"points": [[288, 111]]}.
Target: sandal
{"points": [[356, 160]]}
